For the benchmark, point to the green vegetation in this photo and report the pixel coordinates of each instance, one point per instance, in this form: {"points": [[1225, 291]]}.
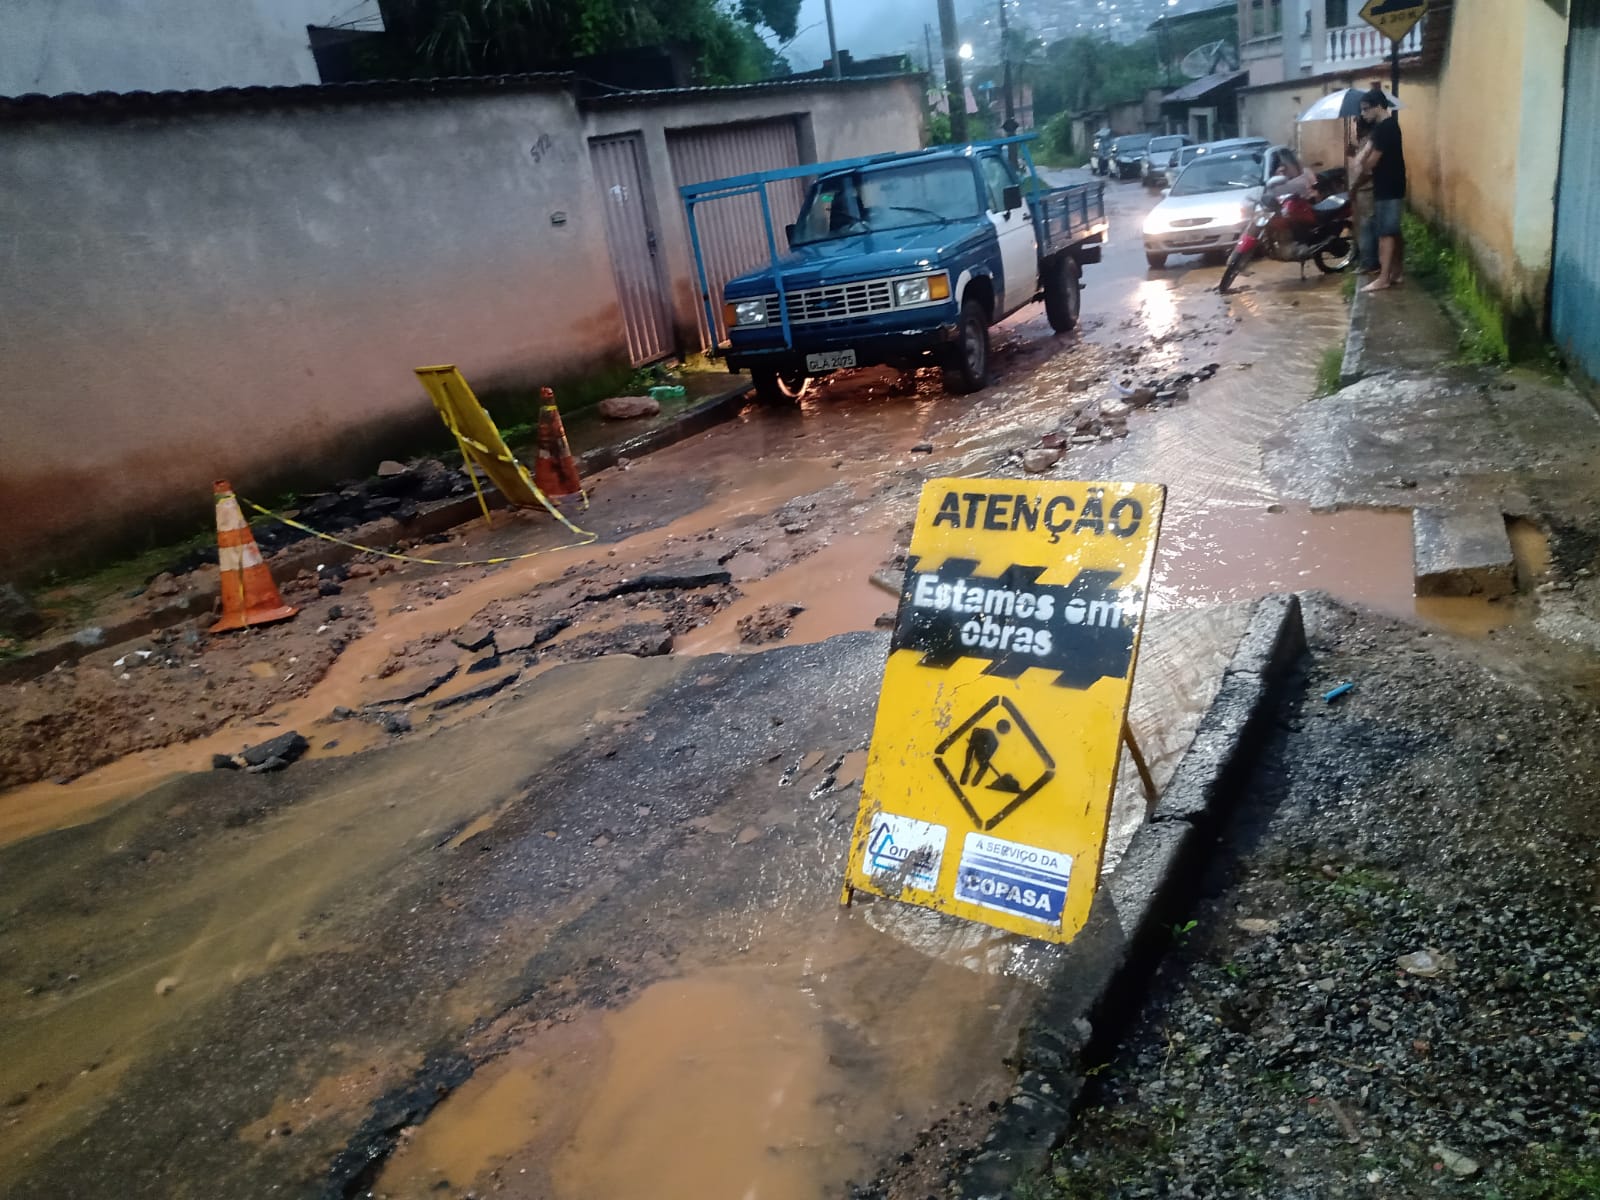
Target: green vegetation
{"points": [[496, 37], [1329, 368], [1054, 147], [1551, 1173], [1442, 267]]}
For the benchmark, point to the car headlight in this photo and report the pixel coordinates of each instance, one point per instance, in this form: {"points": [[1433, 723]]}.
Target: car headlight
{"points": [[1154, 224], [921, 289], [746, 312]]}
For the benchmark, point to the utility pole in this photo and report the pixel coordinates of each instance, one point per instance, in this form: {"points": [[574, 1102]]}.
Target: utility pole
{"points": [[927, 41], [833, 42], [955, 88], [1010, 124]]}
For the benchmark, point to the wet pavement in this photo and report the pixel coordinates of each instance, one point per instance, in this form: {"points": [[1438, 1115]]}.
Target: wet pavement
{"points": [[586, 907]]}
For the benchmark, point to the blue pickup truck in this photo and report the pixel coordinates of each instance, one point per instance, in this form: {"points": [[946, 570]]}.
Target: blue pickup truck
{"points": [[906, 260]]}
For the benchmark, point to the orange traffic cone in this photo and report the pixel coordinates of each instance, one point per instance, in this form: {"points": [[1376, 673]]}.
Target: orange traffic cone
{"points": [[249, 597], [555, 471]]}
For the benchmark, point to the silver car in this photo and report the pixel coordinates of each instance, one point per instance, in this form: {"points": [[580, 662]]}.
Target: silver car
{"points": [[1206, 208]]}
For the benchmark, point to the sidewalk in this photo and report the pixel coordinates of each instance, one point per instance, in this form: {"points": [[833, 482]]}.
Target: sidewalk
{"points": [[1465, 445]]}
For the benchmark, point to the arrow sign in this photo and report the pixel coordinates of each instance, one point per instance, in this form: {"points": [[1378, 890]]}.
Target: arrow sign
{"points": [[1393, 18]]}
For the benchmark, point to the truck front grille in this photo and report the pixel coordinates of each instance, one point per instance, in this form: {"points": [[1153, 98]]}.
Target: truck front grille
{"points": [[832, 303]]}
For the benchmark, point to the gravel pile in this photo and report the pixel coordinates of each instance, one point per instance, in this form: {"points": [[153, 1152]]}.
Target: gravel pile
{"points": [[1392, 988]]}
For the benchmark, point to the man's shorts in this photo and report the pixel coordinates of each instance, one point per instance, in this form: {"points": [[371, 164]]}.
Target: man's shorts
{"points": [[1386, 217]]}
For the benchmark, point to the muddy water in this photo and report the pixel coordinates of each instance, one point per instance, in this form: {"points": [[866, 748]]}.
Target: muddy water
{"points": [[159, 954], [779, 1076]]}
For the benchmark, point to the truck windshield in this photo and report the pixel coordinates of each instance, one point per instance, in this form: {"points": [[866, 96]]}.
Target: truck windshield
{"points": [[843, 206]]}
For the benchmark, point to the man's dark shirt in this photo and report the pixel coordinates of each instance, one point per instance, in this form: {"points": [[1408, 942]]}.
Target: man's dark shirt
{"points": [[1389, 176]]}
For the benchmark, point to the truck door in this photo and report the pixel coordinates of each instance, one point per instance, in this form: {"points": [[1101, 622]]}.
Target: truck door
{"points": [[1019, 250]]}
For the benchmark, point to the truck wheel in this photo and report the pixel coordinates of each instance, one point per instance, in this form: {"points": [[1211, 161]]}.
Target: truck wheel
{"points": [[778, 387], [1062, 297], [967, 367]]}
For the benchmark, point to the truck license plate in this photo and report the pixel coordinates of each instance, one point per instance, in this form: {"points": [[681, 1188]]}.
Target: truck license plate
{"points": [[830, 360]]}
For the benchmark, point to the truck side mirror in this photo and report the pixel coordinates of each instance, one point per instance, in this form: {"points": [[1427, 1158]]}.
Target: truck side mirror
{"points": [[1011, 197], [788, 232]]}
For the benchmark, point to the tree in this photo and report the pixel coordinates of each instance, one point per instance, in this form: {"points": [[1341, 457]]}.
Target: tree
{"points": [[497, 37]]}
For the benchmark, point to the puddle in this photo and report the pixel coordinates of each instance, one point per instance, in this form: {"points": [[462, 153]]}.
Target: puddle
{"points": [[833, 584], [778, 1078], [267, 897]]}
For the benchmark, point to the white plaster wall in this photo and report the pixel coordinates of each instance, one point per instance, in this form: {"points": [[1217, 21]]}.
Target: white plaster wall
{"points": [[56, 46], [245, 294]]}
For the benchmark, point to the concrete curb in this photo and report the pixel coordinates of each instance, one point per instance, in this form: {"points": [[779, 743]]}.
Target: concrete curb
{"points": [[446, 514], [1101, 976], [1355, 342]]}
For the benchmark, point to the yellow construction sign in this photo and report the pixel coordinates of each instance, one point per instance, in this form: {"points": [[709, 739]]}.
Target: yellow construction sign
{"points": [[1393, 18], [994, 753]]}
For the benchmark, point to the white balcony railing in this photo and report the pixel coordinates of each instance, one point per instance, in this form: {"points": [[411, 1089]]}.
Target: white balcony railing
{"points": [[1363, 46]]}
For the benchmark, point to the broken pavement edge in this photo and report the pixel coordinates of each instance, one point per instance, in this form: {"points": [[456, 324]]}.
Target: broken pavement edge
{"points": [[1103, 974], [446, 514]]}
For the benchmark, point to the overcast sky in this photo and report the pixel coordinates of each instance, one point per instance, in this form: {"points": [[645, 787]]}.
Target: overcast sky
{"points": [[865, 28]]}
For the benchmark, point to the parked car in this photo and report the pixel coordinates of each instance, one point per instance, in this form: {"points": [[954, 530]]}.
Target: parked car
{"points": [[908, 259], [1159, 157], [1100, 151], [1207, 207], [1127, 154]]}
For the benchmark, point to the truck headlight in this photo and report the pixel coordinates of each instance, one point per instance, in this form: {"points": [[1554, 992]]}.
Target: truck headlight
{"points": [[911, 291], [922, 289], [746, 312]]}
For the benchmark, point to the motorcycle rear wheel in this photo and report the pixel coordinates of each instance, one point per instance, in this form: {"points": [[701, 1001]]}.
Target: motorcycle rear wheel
{"points": [[1337, 255]]}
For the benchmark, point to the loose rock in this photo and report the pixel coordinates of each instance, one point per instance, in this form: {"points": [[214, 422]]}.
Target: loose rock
{"points": [[628, 408]]}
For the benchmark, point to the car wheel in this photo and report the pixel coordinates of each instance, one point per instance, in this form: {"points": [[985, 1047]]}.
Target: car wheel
{"points": [[967, 367], [778, 387], [1062, 294], [1156, 261]]}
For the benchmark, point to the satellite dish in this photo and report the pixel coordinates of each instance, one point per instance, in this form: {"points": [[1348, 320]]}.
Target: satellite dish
{"points": [[1210, 59]]}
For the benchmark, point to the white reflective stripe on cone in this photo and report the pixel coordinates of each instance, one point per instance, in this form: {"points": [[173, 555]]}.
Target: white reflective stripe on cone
{"points": [[228, 515], [229, 558], [250, 555]]}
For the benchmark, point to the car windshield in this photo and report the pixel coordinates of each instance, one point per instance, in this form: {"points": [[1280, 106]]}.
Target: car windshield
{"points": [[1165, 143], [843, 206], [1219, 173], [1188, 153], [1133, 142]]}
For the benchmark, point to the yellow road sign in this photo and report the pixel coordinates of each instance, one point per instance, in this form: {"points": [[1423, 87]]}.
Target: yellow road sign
{"points": [[994, 753], [1393, 18]]}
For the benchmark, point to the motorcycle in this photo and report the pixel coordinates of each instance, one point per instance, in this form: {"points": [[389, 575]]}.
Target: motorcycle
{"points": [[1290, 228]]}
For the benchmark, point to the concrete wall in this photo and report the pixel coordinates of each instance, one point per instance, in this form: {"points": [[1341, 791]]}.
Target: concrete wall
{"points": [[838, 121], [56, 46], [193, 291], [1483, 142], [1273, 112], [244, 294]]}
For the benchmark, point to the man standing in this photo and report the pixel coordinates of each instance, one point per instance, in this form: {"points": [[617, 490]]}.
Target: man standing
{"points": [[1385, 162]]}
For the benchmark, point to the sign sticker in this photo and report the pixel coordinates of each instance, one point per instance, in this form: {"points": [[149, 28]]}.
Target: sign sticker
{"points": [[902, 853], [1001, 714], [1013, 878]]}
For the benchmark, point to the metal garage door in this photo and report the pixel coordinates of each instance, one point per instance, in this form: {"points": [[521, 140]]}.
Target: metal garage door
{"points": [[1575, 274], [732, 235], [631, 237]]}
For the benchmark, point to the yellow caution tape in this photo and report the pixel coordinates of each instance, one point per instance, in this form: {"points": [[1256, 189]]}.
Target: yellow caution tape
{"points": [[412, 558]]}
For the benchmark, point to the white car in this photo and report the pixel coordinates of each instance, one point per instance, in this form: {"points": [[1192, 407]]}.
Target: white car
{"points": [[1206, 208]]}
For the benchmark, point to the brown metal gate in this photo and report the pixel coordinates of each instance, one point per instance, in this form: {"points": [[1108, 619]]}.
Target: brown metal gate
{"points": [[732, 235], [630, 234]]}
